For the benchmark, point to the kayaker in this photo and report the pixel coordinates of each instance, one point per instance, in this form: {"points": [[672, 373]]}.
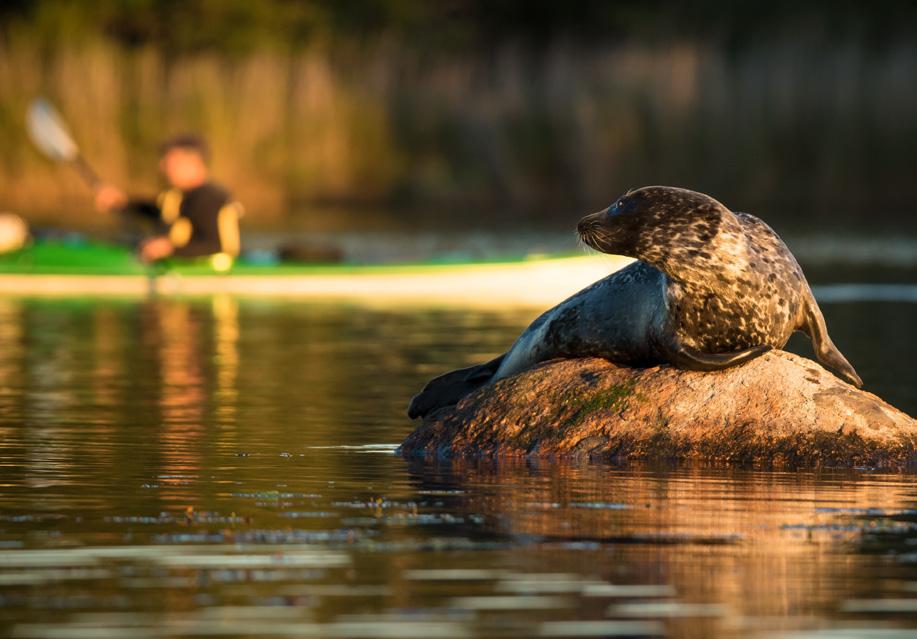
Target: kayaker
{"points": [[194, 217]]}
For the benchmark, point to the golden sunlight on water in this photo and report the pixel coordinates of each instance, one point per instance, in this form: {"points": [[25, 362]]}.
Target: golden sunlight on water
{"points": [[217, 467]]}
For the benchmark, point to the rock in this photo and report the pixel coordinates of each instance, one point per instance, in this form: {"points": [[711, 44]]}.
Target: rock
{"points": [[777, 410]]}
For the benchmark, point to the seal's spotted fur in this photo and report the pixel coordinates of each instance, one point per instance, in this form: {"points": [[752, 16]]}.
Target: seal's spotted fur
{"points": [[731, 282], [711, 289]]}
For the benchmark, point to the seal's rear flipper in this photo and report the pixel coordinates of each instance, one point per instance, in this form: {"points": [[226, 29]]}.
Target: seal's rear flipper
{"points": [[448, 389], [684, 356], [825, 350]]}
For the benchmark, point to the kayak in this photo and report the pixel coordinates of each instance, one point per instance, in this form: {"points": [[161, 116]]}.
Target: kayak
{"points": [[90, 268]]}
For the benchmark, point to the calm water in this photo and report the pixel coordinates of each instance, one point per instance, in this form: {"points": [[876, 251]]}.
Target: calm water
{"points": [[215, 467]]}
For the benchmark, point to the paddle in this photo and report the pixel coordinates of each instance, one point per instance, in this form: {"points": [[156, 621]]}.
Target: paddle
{"points": [[50, 134]]}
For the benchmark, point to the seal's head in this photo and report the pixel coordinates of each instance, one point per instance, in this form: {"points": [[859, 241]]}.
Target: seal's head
{"points": [[648, 223]]}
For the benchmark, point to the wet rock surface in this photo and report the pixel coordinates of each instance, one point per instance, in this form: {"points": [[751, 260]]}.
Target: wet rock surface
{"points": [[777, 410]]}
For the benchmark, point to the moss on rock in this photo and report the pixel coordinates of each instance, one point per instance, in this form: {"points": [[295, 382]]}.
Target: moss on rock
{"points": [[778, 410]]}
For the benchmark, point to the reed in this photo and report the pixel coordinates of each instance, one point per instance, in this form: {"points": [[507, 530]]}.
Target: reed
{"points": [[787, 127]]}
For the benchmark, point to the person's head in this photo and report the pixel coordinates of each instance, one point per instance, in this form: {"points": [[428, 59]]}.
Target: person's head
{"points": [[183, 161]]}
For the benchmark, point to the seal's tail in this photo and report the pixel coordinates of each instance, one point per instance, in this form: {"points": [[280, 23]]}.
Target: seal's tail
{"points": [[448, 389], [827, 353]]}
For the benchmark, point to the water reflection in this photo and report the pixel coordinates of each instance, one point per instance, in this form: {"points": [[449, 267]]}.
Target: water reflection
{"points": [[226, 359], [185, 467], [741, 546]]}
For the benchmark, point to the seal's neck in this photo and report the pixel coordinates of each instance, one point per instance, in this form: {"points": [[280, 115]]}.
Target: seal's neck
{"points": [[704, 255]]}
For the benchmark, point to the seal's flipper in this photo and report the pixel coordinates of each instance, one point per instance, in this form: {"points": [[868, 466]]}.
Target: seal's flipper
{"points": [[448, 389], [825, 350], [684, 356]]}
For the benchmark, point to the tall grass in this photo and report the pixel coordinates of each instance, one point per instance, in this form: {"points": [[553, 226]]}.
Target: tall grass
{"points": [[822, 129]]}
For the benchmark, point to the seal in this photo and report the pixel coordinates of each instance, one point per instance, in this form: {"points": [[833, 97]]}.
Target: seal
{"points": [[710, 289]]}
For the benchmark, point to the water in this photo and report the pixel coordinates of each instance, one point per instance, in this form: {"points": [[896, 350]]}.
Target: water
{"points": [[216, 467]]}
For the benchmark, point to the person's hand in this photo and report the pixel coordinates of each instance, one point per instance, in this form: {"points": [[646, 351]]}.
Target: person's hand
{"points": [[110, 198], [156, 248]]}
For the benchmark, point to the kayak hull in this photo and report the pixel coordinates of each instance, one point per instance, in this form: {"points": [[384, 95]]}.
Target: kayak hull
{"points": [[527, 282]]}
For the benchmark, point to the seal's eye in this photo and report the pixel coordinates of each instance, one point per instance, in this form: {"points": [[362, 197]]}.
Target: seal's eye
{"points": [[621, 206]]}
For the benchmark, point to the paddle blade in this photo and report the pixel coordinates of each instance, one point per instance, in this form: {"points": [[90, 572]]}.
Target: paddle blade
{"points": [[49, 133]]}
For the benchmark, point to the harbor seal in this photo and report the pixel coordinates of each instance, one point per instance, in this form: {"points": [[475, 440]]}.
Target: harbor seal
{"points": [[710, 289]]}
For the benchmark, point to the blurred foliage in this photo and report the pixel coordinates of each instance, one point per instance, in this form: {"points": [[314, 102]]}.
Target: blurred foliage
{"points": [[242, 26], [784, 108]]}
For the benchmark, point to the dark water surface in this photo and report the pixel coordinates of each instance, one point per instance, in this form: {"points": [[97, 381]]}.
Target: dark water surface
{"points": [[217, 467]]}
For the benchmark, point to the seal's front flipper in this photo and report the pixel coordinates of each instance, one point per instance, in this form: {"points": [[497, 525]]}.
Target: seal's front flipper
{"points": [[825, 350], [684, 356], [448, 389]]}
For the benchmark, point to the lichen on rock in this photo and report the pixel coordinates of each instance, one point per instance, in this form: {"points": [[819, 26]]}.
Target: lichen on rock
{"points": [[778, 410]]}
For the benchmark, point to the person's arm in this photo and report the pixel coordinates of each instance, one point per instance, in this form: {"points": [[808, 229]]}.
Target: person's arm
{"points": [[228, 228], [143, 208], [188, 243], [111, 199]]}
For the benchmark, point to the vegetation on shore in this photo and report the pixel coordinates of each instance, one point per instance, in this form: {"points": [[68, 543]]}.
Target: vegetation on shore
{"points": [[461, 106]]}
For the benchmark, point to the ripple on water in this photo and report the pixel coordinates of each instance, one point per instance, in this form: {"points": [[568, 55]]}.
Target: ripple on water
{"points": [[200, 468]]}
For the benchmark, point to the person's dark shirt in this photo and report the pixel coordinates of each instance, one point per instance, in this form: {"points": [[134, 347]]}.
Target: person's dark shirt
{"points": [[201, 221]]}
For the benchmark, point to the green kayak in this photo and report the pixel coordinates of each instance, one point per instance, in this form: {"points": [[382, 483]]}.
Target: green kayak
{"points": [[85, 267], [83, 257]]}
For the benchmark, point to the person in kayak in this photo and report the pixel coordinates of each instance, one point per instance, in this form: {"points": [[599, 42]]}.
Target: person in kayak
{"points": [[194, 218]]}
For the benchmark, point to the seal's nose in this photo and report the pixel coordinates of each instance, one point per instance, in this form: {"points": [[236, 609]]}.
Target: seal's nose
{"points": [[589, 223]]}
